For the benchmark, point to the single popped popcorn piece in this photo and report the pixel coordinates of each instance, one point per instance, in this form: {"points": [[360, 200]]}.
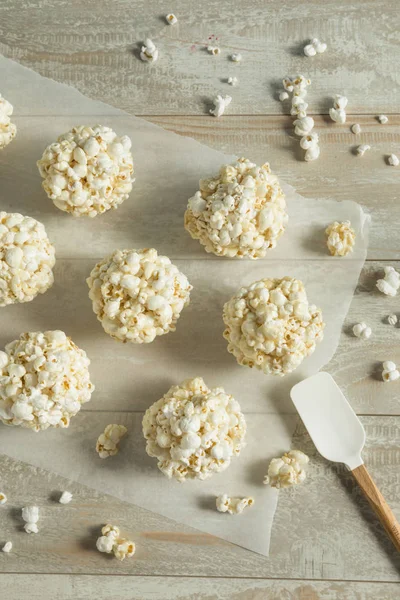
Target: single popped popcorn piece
{"points": [[241, 212], [356, 128], [65, 498], [149, 52], [303, 126], [138, 294], [392, 319], [390, 372], [44, 380], [393, 160], [88, 170], [338, 113], [171, 19], [271, 326], [383, 119], [111, 542], [108, 441], [314, 47], [236, 57], [124, 549], [8, 130], [361, 330], [214, 50], [234, 506], [283, 95], [233, 80], [341, 238], [3, 498], [220, 104], [362, 149], [390, 283], [7, 547], [30, 515], [310, 143], [288, 470], [194, 431], [26, 259]]}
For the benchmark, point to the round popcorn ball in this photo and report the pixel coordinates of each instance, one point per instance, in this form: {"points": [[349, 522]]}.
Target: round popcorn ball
{"points": [[26, 259], [239, 212], [271, 326], [341, 238], [137, 294], [88, 170], [7, 129], [44, 380], [194, 431]]}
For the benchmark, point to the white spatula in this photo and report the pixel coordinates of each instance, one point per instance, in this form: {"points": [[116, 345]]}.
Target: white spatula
{"points": [[339, 436]]}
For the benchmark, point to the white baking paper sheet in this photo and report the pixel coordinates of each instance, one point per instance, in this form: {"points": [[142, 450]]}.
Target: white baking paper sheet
{"points": [[129, 378]]}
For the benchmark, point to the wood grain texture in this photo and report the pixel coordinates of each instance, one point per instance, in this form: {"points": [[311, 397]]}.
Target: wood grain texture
{"points": [[81, 587], [95, 45]]}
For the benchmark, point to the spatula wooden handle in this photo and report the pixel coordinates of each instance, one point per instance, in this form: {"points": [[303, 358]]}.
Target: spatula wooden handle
{"points": [[378, 504]]}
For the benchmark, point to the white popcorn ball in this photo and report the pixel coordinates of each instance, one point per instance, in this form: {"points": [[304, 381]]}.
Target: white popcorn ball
{"points": [[65, 498], [138, 295], [194, 431], [108, 441], [3, 498], [241, 212], [361, 330], [8, 130], [30, 515], [149, 52], [393, 160], [233, 506], [7, 547], [288, 470], [341, 238], [88, 170], [111, 542], [26, 259], [390, 284], [220, 104], [271, 326], [45, 381]]}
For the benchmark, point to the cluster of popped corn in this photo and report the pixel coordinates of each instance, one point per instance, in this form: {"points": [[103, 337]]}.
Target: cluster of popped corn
{"points": [[341, 238], [108, 441], [233, 506], [88, 170], [241, 212], [271, 326], [314, 47], [138, 294], [26, 259], [44, 380], [361, 330], [110, 541], [149, 52], [390, 284], [220, 104], [303, 125], [194, 431], [390, 371], [288, 470], [30, 515], [337, 113], [7, 129]]}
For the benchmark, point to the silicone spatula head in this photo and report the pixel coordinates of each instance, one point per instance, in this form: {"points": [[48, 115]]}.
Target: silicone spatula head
{"points": [[331, 422]]}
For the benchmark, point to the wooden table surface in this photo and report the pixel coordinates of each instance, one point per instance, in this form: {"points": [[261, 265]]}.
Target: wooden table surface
{"points": [[326, 544]]}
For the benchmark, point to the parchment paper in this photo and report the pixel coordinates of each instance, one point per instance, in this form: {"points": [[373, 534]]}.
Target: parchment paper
{"points": [[129, 378]]}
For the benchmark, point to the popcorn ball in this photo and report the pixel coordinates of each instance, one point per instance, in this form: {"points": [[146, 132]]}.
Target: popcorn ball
{"points": [[88, 170], [341, 238], [271, 326], [26, 259], [111, 542], [7, 129], [138, 294], [194, 431], [288, 470], [239, 212], [44, 380]]}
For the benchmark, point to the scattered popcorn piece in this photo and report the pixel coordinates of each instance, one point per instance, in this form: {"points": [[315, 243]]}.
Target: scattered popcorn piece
{"points": [[239, 212], [44, 380], [214, 50], [390, 283], [309, 50], [234, 506], [338, 113], [314, 47], [149, 52], [288, 470], [30, 515], [138, 294], [361, 150], [124, 549], [393, 160], [3, 498], [110, 541], [271, 326], [7, 547], [303, 126], [361, 330], [194, 431], [341, 238], [26, 259], [283, 95], [65, 498], [233, 80], [220, 104], [383, 119], [356, 128], [310, 143], [392, 319], [108, 442], [171, 19], [390, 372], [88, 170], [8, 130], [236, 57]]}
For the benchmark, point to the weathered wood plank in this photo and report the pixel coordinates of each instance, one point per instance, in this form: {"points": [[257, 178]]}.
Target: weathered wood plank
{"points": [[94, 46]]}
